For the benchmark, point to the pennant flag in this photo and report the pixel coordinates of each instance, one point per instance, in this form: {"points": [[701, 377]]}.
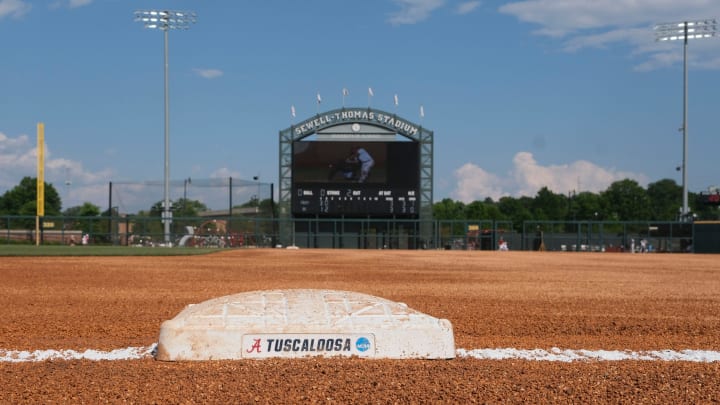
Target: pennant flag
{"points": [[292, 110], [319, 99], [345, 92], [370, 92], [422, 112], [396, 100]]}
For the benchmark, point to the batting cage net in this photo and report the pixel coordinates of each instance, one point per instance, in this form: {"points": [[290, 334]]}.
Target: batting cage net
{"points": [[188, 195], [205, 212]]}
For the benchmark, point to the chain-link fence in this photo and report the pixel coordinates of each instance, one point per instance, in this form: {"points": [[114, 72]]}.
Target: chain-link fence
{"points": [[259, 226], [135, 230]]}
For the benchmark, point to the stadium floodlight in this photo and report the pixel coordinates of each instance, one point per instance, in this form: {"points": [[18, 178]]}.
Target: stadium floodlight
{"points": [[684, 31], [166, 20]]}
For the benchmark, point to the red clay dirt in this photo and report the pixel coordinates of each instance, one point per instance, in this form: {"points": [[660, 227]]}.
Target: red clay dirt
{"points": [[523, 300]]}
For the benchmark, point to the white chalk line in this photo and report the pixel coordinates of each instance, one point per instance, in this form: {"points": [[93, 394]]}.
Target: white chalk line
{"points": [[569, 355], [128, 353], [554, 354]]}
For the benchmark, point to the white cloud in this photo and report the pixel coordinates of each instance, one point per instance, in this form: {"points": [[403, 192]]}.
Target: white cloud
{"points": [[224, 173], [467, 7], [414, 11], [15, 152], [561, 17], [10, 143], [528, 177], [635, 36], [76, 184], [474, 183], [208, 73], [659, 60], [14, 8], [56, 5], [79, 3], [583, 24]]}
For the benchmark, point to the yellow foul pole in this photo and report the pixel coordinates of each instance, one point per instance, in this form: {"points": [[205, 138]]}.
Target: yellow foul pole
{"points": [[40, 203]]}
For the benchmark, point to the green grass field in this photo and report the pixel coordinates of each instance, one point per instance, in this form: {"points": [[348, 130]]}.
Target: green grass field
{"points": [[32, 250]]}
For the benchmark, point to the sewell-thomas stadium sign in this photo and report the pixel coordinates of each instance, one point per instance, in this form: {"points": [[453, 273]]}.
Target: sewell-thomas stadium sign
{"points": [[393, 122]]}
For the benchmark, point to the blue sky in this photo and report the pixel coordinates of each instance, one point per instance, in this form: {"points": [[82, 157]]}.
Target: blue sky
{"points": [[522, 94]]}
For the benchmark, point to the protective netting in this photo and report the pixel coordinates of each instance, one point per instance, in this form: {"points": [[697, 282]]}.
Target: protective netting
{"points": [[217, 194]]}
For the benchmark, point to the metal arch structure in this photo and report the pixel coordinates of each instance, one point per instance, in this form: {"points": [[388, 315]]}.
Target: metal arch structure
{"points": [[374, 122]]}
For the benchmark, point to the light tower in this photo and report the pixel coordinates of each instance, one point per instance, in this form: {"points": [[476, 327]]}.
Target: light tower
{"points": [[166, 20], [684, 31]]}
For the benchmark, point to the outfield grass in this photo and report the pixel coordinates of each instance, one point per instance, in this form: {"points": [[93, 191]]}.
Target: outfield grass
{"points": [[32, 250]]}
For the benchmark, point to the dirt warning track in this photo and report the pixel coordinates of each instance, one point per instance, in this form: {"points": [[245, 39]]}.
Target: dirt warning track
{"points": [[522, 301]]}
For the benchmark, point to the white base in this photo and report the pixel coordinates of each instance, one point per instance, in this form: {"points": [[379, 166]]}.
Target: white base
{"points": [[303, 323]]}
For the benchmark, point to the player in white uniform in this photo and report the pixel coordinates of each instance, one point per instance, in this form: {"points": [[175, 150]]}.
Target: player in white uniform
{"points": [[366, 163]]}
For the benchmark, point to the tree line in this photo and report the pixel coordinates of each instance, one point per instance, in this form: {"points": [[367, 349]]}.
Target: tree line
{"points": [[623, 200]]}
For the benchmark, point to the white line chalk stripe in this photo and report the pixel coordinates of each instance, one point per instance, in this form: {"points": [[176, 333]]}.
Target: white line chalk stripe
{"points": [[128, 353], [554, 354], [567, 355]]}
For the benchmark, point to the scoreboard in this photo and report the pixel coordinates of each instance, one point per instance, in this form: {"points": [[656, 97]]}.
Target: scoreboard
{"points": [[329, 178], [710, 198], [354, 200]]}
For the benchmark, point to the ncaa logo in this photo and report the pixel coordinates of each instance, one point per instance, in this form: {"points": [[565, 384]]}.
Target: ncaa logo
{"points": [[362, 344]]}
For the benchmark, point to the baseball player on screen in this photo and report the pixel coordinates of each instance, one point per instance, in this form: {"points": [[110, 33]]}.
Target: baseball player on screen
{"points": [[366, 163]]}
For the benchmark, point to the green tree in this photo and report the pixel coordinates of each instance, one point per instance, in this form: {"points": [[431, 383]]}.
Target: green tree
{"points": [[22, 199], [584, 206], [156, 209], [476, 210], [707, 212], [150, 228], [486, 210], [516, 210], [665, 198], [181, 209], [187, 208], [625, 200], [82, 217], [449, 209], [549, 206], [493, 212], [266, 208], [86, 210]]}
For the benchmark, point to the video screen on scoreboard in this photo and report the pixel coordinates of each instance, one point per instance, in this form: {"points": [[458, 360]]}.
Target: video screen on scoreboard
{"points": [[355, 178]]}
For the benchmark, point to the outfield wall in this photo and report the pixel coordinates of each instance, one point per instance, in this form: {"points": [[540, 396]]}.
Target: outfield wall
{"points": [[48, 236], [706, 237]]}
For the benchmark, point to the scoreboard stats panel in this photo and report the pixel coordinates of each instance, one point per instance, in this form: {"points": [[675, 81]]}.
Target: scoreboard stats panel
{"points": [[354, 199], [329, 178]]}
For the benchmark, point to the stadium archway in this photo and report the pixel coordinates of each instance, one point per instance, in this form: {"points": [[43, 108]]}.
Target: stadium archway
{"points": [[322, 180]]}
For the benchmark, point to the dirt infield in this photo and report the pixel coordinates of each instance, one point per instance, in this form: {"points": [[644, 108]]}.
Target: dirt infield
{"points": [[523, 300]]}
